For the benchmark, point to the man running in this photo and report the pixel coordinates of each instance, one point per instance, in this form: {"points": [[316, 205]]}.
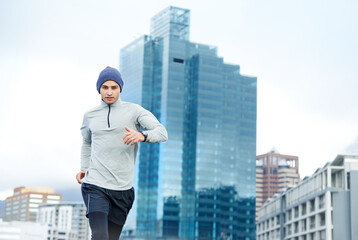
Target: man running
{"points": [[111, 132]]}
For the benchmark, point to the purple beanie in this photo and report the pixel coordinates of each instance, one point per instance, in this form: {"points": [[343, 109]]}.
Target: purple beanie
{"points": [[107, 74]]}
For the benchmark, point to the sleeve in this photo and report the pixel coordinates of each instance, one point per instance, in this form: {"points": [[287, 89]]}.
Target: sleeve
{"points": [[86, 144], [156, 131]]}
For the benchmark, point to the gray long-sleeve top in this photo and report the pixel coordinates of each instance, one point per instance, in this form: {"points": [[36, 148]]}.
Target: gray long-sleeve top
{"points": [[110, 162]]}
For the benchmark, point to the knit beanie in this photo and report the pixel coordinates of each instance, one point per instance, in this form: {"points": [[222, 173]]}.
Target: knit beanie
{"points": [[107, 74]]}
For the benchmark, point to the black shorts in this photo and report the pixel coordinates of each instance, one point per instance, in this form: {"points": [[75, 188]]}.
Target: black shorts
{"points": [[116, 204]]}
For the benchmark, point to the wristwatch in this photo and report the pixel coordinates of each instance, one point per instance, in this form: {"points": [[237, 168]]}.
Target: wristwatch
{"points": [[145, 134]]}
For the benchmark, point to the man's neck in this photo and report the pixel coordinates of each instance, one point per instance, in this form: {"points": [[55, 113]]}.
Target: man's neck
{"points": [[116, 103]]}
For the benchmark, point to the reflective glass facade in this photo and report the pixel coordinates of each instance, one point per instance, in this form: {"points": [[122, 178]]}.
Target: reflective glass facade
{"points": [[200, 184]]}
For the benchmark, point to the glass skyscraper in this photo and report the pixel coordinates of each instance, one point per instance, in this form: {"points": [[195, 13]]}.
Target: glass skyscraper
{"points": [[200, 184]]}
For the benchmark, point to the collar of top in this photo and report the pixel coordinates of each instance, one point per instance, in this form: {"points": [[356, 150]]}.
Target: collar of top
{"points": [[115, 104]]}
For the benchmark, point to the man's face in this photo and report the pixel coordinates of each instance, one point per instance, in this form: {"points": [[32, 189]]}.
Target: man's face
{"points": [[110, 91]]}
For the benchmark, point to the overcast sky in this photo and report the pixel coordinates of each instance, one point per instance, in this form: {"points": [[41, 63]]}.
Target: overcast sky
{"points": [[303, 52]]}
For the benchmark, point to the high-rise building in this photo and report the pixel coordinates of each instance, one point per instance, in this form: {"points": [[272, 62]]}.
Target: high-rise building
{"points": [[66, 220], [321, 206], [200, 184], [23, 204], [274, 173]]}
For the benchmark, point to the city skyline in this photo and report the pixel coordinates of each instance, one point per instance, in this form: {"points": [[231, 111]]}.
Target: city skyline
{"points": [[52, 54]]}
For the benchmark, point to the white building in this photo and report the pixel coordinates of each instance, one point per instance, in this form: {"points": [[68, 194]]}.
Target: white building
{"points": [[321, 207], [22, 230], [66, 221]]}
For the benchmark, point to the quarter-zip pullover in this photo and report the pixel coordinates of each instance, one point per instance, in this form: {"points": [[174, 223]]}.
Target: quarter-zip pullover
{"points": [[110, 162]]}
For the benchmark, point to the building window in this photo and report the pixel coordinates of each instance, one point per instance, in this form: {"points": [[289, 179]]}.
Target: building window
{"points": [[33, 200], [296, 212], [304, 209], [33, 205], [312, 222], [178, 60], [321, 201], [36, 196], [322, 235], [322, 219], [53, 197], [348, 180], [289, 215], [312, 205], [303, 225]]}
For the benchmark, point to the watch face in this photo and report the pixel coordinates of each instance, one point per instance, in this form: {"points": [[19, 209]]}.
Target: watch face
{"points": [[145, 134]]}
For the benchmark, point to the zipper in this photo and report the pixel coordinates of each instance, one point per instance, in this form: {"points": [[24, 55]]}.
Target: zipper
{"points": [[109, 111]]}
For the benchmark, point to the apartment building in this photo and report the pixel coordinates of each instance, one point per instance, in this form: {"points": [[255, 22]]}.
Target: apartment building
{"points": [[320, 207], [65, 220], [274, 173], [23, 204]]}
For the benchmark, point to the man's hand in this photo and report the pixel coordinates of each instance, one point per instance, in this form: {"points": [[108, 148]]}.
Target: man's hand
{"points": [[80, 176], [132, 137]]}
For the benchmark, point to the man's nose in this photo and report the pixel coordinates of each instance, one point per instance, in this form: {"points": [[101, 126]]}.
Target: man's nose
{"points": [[109, 92]]}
